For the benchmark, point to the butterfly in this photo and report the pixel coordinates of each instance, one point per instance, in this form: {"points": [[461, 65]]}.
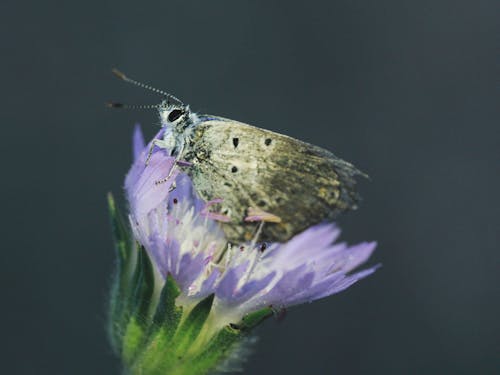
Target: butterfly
{"points": [[255, 179]]}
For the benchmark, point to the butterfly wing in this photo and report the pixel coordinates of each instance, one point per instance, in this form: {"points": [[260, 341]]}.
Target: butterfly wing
{"points": [[247, 167]]}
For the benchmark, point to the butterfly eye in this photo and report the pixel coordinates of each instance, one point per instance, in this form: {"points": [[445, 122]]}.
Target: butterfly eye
{"points": [[175, 114]]}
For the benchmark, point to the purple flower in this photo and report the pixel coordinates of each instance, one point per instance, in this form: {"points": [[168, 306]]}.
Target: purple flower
{"points": [[183, 239]]}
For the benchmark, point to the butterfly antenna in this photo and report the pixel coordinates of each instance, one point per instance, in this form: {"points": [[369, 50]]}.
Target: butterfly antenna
{"points": [[128, 106], [123, 77]]}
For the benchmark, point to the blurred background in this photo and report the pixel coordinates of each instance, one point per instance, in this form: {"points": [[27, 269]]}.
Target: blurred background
{"points": [[403, 89]]}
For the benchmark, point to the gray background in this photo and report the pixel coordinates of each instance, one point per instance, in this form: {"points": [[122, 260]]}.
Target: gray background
{"points": [[404, 89]]}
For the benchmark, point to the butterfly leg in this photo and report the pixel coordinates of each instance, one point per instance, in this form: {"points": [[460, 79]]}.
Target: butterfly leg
{"points": [[177, 159], [165, 179], [156, 142]]}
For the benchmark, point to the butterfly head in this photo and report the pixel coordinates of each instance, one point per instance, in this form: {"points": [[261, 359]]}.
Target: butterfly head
{"points": [[177, 115]]}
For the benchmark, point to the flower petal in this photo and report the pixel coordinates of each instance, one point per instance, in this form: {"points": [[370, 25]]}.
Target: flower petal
{"points": [[138, 143], [185, 239]]}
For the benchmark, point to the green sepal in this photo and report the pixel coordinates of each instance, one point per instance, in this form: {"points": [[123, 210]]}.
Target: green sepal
{"points": [[139, 305], [167, 315], [190, 329], [132, 340], [164, 353], [221, 345], [124, 249], [121, 233], [216, 350], [253, 319], [155, 354], [143, 282]]}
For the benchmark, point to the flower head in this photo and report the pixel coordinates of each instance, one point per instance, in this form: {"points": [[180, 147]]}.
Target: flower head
{"points": [[183, 239]]}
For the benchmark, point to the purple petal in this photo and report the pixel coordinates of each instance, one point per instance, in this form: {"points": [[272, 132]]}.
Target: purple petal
{"points": [[208, 285], [138, 143], [184, 191], [164, 254], [144, 194], [354, 256], [188, 270], [307, 245], [251, 288], [227, 286]]}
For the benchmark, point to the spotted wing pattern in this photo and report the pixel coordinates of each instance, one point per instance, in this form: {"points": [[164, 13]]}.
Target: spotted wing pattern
{"points": [[249, 167]]}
